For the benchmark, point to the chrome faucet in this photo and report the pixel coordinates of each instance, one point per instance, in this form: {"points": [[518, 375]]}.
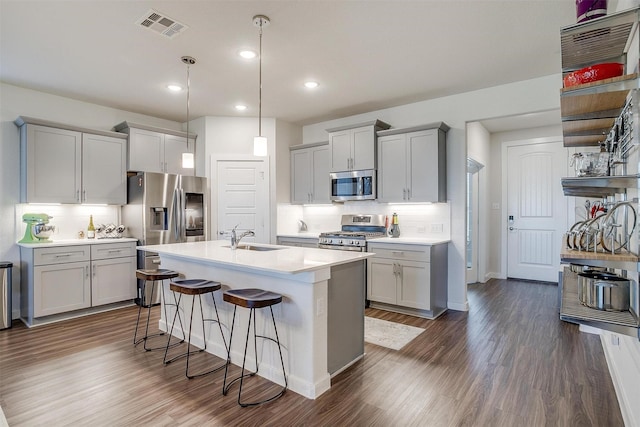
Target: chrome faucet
{"points": [[235, 239]]}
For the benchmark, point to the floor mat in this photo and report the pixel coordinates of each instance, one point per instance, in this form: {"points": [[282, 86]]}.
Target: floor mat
{"points": [[389, 334]]}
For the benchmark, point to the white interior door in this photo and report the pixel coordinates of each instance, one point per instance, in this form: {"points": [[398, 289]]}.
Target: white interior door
{"points": [[536, 210], [243, 198]]}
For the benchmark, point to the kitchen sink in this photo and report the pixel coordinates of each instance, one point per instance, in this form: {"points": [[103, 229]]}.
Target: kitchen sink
{"points": [[255, 248]]}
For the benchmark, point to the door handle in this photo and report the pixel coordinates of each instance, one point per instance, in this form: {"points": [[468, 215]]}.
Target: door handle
{"points": [[221, 233], [513, 229]]}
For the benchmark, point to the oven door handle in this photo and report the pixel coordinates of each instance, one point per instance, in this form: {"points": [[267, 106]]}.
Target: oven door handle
{"points": [[342, 248]]}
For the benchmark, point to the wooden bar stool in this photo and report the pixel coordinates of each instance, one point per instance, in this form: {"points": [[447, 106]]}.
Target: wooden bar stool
{"points": [[152, 276], [252, 299], [194, 287]]}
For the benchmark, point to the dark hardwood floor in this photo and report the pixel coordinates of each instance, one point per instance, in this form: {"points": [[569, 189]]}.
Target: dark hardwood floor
{"points": [[509, 361]]}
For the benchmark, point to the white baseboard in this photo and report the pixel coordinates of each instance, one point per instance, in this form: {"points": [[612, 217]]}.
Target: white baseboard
{"points": [[457, 306], [590, 330], [623, 359]]}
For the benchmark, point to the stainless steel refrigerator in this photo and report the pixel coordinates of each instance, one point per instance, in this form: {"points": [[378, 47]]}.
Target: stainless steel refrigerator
{"points": [[164, 208]]}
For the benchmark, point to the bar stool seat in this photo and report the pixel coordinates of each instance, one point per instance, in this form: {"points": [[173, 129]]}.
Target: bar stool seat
{"points": [[194, 287], [152, 276], [252, 299]]}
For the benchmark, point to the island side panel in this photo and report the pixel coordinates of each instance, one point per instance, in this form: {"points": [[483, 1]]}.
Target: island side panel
{"points": [[346, 315], [301, 321]]}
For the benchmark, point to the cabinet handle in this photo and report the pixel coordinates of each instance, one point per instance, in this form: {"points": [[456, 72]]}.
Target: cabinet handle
{"points": [[404, 194], [93, 269], [62, 255], [84, 195], [408, 194], [397, 252], [78, 195], [86, 271], [114, 251]]}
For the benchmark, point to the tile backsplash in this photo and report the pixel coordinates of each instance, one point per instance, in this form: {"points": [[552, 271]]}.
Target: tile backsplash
{"points": [[415, 220], [68, 219]]}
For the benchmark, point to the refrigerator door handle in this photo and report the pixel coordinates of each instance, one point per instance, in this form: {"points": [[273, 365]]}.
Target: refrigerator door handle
{"points": [[183, 216], [175, 210]]}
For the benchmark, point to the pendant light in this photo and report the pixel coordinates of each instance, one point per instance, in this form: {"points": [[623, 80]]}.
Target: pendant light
{"points": [[260, 142], [188, 161]]}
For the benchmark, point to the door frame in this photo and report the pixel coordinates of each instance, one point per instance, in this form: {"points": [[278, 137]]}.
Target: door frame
{"points": [[476, 272], [213, 174], [504, 211]]}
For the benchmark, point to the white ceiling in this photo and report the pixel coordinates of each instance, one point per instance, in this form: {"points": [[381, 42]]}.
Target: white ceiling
{"points": [[366, 55]]}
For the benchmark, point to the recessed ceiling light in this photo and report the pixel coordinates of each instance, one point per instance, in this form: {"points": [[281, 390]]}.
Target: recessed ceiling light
{"points": [[240, 107], [247, 54], [174, 88], [311, 84]]}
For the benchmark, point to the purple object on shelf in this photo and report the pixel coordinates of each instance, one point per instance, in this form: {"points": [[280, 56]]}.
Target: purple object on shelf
{"points": [[590, 9]]}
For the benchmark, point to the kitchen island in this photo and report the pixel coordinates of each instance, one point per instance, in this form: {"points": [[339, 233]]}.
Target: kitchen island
{"points": [[315, 284]]}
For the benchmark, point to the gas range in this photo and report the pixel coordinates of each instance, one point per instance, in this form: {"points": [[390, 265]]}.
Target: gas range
{"points": [[356, 230]]}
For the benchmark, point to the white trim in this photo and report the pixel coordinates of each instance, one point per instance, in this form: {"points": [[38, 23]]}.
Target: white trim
{"points": [[457, 306], [504, 211], [624, 400]]}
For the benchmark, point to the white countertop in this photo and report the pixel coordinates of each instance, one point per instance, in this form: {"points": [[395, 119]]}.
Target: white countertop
{"points": [[286, 259], [399, 240], [73, 242]]}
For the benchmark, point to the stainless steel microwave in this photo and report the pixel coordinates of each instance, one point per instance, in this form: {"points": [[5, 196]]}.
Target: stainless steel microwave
{"points": [[353, 185]]}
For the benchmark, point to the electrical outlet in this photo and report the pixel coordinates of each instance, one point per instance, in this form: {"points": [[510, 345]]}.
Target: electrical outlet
{"points": [[436, 228], [495, 205], [320, 310], [422, 229], [615, 340]]}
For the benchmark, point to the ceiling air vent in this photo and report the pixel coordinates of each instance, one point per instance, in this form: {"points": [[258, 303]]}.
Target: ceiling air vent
{"points": [[161, 24]]}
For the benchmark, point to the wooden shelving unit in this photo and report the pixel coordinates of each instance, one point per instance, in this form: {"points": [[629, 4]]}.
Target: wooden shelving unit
{"points": [[623, 261], [572, 310], [589, 112]]}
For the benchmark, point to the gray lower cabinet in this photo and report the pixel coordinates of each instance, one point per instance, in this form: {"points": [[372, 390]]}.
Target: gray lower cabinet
{"points": [[303, 242], [408, 278], [63, 279], [113, 268]]}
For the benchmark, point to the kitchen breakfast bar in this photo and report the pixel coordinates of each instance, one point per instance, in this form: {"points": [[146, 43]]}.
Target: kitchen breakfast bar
{"points": [[320, 320]]}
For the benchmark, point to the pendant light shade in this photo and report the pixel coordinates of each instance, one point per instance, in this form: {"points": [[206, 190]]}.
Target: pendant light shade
{"points": [[188, 160], [260, 146]]}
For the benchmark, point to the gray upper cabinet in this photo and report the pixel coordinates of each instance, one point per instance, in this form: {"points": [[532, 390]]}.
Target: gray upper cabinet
{"points": [[412, 164], [104, 173], [156, 150], [67, 164], [310, 173], [353, 147]]}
